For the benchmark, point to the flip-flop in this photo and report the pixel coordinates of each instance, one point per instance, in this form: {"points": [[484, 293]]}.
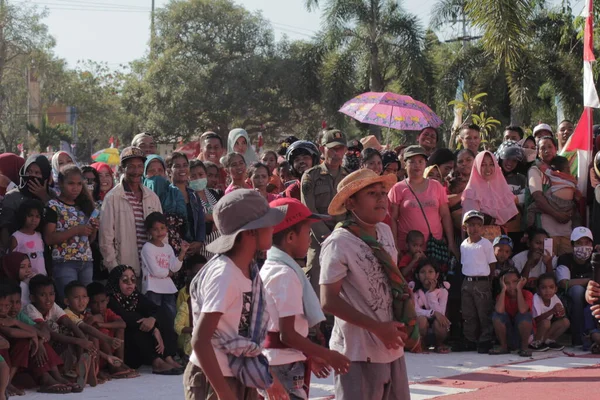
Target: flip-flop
{"points": [[83, 367], [442, 349], [56, 389], [172, 371]]}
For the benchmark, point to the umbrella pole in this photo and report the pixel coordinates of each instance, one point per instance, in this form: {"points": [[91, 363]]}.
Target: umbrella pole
{"points": [[389, 128]]}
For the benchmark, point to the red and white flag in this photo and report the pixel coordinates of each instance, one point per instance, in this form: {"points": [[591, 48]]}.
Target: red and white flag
{"points": [[580, 142]]}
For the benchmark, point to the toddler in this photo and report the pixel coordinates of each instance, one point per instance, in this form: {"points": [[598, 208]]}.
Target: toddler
{"points": [[415, 246], [549, 315]]}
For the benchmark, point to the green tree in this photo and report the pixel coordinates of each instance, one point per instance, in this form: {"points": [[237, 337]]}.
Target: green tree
{"points": [[48, 135]]}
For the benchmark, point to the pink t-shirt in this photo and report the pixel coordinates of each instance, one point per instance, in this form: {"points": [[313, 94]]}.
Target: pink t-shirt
{"points": [[410, 216]]}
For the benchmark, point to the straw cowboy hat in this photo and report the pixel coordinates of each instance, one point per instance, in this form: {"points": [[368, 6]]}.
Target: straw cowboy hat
{"points": [[371, 142], [355, 182]]}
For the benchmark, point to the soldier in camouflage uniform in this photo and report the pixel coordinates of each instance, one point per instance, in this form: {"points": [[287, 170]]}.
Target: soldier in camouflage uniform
{"points": [[318, 187]]}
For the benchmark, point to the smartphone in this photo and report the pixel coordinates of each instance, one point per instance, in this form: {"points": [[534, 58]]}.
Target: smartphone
{"points": [[548, 245]]}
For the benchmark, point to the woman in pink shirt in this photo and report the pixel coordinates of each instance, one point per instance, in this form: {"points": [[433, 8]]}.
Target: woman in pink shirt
{"points": [[405, 208]]}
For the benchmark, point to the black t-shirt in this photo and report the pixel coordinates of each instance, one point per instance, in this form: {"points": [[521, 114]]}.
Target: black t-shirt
{"points": [[578, 271]]}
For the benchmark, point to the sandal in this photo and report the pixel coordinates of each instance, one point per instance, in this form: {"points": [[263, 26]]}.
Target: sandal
{"points": [[496, 351], [57, 388], [75, 387], [525, 353], [595, 348], [442, 349]]}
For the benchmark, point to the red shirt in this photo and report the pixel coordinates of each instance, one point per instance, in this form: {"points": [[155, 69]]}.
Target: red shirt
{"points": [[404, 261], [511, 306]]}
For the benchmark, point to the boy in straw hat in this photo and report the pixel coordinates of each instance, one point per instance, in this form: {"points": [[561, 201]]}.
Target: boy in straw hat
{"points": [[229, 304], [364, 289], [294, 306]]}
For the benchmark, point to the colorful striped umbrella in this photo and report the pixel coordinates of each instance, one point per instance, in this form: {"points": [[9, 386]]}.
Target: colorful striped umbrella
{"points": [[109, 156]]}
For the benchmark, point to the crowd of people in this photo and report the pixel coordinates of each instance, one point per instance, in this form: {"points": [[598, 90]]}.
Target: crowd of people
{"points": [[246, 272]]}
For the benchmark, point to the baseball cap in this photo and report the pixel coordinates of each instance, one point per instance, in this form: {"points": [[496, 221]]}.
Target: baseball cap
{"points": [[334, 137], [132, 152], [580, 232], [414, 150], [542, 127], [296, 213], [503, 239], [238, 211], [472, 214]]}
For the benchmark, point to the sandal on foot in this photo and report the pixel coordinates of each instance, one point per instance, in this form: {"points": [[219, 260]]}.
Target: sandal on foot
{"points": [[57, 388], [442, 349], [595, 348], [525, 353], [75, 387], [83, 368], [496, 351]]}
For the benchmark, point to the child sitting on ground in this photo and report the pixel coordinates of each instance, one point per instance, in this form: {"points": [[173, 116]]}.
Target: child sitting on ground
{"points": [[42, 364], [478, 263], [76, 299], [415, 246], [293, 305], [107, 322], [549, 315], [69, 342], [430, 294], [159, 264], [183, 319], [512, 314], [503, 246]]}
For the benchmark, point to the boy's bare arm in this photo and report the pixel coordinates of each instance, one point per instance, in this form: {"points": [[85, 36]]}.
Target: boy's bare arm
{"points": [[93, 332]]}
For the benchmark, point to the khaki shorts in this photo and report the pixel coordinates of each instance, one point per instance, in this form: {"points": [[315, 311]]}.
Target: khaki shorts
{"points": [[197, 387]]}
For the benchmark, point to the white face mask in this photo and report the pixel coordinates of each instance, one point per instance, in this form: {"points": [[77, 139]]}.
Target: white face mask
{"points": [[530, 154], [582, 252], [198, 184]]}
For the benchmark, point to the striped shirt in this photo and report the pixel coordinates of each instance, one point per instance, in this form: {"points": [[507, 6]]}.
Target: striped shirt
{"points": [[138, 214]]}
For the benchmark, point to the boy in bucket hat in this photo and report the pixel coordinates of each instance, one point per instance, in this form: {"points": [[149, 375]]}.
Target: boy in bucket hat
{"points": [[293, 304], [363, 288], [229, 306]]}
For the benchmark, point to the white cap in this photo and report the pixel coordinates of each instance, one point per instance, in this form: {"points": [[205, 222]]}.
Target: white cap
{"points": [[581, 232], [542, 127], [472, 214]]}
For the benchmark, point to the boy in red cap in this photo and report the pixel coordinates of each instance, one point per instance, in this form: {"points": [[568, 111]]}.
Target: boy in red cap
{"points": [[293, 305]]}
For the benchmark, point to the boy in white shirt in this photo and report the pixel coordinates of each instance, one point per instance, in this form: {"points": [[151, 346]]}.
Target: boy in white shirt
{"points": [[293, 305], [358, 261], [229, 307], [478, 264], [159, 264]]}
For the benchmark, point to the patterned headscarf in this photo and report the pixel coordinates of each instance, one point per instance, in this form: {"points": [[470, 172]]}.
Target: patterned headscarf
{"points": [[129, 303]]}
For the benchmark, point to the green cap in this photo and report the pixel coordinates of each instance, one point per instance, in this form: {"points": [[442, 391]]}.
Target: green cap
{"points": [[334, 137]]}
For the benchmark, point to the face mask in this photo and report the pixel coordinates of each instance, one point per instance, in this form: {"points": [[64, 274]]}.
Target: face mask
{"points": [[198, 184], [530, 154], [583, 252]]}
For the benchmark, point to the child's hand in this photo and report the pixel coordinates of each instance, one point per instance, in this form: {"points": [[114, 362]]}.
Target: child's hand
{"points": [[94, 223], [596, 311], [502, 284], [184, 246], [521, 284], [83, 230], [592, 293], [114, 361], [146, 324], [41, 357], [115, 343], [442, 319], [87, 345], [390, 333], [433, 284], [339, 362], [35, 346], [277, 391], [547, 259], [160, 346], [320, 367], [559, 310], [44, 335]]}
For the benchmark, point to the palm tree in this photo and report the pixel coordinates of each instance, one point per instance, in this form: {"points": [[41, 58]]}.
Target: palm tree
{"points": [[383, 42]]}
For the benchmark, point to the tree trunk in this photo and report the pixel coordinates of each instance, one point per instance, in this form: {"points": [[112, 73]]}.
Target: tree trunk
{"points": [[375, 82]]}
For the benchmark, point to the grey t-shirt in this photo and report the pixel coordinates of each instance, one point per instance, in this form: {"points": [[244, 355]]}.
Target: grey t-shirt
{"points": [[365, 287]]}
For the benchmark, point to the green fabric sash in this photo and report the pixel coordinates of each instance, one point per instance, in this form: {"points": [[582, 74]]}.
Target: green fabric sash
{"points": [[403, 304]]}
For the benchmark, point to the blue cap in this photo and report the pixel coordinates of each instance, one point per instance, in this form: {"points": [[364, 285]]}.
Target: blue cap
{"points": [[503, 239]]}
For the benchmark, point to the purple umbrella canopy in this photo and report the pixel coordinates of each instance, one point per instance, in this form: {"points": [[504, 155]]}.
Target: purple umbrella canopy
{"points": [[391, 110]]}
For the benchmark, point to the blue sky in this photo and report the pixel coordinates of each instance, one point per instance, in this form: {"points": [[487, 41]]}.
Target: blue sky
{"points": [[119, 33]]}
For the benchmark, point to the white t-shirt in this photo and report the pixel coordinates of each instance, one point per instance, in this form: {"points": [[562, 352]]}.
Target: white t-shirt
{"points": [[521, 259], [224, 290], [539, 307], [157, 262], [365, 286], [33, 246], [284, 299], [54, 315], [477, 257]]}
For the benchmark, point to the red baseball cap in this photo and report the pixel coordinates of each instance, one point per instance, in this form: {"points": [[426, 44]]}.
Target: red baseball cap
{"points": [[296, 212]]}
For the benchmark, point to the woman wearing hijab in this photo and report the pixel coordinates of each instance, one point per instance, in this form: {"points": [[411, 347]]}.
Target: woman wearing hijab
{"points": [[150, 338], [107, 180], [173, 207], [34, 177], [59, 160], [17, 267], [10, 164], [239, 142], [488, 193]]}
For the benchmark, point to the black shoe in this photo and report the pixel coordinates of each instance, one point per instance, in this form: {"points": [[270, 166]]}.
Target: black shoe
{"points": [[464, 346], [537, 345], [484, 347]]}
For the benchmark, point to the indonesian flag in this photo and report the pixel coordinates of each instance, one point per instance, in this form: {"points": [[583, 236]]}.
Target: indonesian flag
{"points": [[580, 142]]}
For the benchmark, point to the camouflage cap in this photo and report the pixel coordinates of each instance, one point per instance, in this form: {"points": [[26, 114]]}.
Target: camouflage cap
{"points": [[132, 152], [334, 137]]}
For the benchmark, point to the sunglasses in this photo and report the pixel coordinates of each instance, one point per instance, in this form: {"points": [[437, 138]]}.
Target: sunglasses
{"points": [[128, 281]]}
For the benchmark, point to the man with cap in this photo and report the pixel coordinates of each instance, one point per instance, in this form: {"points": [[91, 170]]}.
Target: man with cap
{"points": [[228, 304], [542, 130], [145, 142], [122, 234], [318, 187], [573, 272]]}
